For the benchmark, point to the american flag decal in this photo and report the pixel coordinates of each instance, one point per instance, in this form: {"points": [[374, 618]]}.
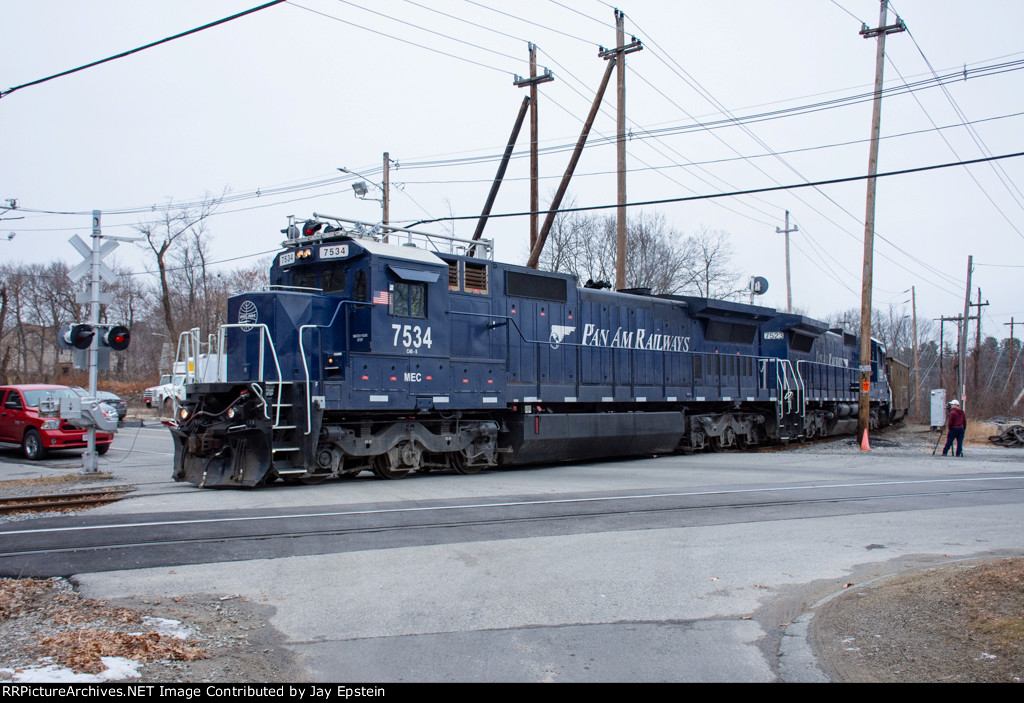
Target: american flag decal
{"points": [[382, 298]]}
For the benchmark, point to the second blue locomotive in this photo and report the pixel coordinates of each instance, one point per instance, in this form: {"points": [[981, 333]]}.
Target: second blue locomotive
{"points": [[414, 352]]}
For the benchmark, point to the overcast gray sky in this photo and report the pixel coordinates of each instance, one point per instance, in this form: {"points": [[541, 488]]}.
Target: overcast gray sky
{"points": [[270, 105]]}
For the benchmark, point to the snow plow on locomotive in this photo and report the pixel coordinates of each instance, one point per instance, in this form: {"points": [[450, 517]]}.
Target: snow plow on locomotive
{"points": [[422, 353]]}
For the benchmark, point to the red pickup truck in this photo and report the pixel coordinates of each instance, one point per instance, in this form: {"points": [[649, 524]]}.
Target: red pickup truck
{"points": [[20, 422]]}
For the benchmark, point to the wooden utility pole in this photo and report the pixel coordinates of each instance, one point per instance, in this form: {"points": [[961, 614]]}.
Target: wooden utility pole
{"points": [[789, 289], [977, 337], [534, 156], [500, 175], [1009, 370], [386, 201], [864, 407], [917, 375], [619, 52], [533, 81], [549, 219], [962, 348]]}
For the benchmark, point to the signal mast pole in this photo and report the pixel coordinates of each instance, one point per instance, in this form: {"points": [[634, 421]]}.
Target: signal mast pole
{"points": [[864, 405]]}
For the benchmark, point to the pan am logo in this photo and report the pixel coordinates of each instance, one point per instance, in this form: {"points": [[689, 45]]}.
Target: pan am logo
{"points": [[247, 315], [558, 333]]}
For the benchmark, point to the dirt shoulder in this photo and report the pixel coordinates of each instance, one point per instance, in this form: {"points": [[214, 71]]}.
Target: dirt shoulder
{"points": [[960, 622], [49, 633]]}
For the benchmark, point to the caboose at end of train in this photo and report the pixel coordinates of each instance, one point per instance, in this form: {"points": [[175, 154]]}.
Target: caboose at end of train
{"points": [[413, 352]]}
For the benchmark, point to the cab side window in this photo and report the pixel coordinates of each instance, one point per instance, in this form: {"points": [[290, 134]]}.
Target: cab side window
{"points": [[13, 401], [408, 300]]}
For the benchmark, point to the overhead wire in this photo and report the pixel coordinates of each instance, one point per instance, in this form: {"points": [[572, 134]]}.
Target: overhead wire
{"points": [[535, 24], [400, 39], [165, 40], [689, 80], [1001, 174], [974, 178], [431, 31]]}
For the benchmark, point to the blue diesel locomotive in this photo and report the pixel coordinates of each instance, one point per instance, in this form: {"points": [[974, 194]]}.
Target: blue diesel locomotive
{"points": [[409, 351]]}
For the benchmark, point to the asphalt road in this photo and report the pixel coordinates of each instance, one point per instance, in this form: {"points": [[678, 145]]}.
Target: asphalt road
{"points": [[700, 568]]}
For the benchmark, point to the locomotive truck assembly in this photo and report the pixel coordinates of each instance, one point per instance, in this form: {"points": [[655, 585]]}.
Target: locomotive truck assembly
{"points": [[408, 351]]}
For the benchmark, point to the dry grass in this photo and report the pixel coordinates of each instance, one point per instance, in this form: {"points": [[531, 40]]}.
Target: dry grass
{"points": [[979, 432]]}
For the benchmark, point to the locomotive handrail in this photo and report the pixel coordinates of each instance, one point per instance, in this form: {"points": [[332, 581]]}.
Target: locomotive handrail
{"points": [[305, 366], [838, 391], [280, 286], [782, 382], [264, 331], [469, 245]]}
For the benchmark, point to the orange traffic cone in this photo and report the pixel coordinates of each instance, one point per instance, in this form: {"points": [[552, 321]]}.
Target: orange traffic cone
{"points": [[864, 446]]}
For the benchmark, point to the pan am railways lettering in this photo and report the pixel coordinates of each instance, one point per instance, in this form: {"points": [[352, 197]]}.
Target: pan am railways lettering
{"points": [[640, 339]]}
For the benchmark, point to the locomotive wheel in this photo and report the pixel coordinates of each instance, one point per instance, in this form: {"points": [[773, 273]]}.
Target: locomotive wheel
{"points": [[383, 469], [460, 466], [311, 480]]}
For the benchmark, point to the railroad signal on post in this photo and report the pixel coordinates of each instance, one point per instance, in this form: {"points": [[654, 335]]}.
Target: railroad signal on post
{"points": [[76, 336], [117, 338]]}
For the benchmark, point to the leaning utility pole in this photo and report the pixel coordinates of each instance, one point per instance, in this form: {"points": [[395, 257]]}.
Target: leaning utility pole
{"points": [[789, 289], [620, 51], [864, 407], [501, 171]]}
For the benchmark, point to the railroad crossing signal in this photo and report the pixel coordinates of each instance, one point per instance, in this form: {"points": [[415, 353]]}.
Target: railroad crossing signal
{"points": [[117, 338], [76, 336]]}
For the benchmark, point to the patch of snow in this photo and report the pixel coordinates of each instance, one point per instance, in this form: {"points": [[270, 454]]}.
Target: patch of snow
{"points": [[168, 628], [118, 669]]}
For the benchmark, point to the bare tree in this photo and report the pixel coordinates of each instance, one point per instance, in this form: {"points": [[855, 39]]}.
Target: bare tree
{"points": [[657, 257], [710, 264], [165, 239]]}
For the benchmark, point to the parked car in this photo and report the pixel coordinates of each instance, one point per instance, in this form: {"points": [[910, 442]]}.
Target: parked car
{"points": [[20, 422], [116, 402]]}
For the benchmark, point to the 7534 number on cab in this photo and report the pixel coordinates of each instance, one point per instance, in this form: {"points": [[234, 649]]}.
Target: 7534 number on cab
{"points": [[412, 337]]}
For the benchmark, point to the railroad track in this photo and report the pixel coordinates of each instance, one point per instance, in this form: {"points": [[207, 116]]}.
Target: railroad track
{"points": [[57, 501]]}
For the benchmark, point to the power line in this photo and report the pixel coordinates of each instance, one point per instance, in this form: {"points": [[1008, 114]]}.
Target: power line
{"points": [[431, 31], [123, 54], [767, 189], [535, 24], [400, 39]]}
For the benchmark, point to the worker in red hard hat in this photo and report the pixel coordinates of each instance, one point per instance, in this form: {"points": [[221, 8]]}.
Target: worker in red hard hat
{"points": [[956, 421]]}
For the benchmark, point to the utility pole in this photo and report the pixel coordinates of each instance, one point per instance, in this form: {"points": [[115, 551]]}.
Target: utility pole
{"points": [[977, 337], [620, 51], [1009, 370], [500, 175], [962, 349], [549, 219], [864, 409], [385, 203], [533, 81], [789, 289], [917, 375]]}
